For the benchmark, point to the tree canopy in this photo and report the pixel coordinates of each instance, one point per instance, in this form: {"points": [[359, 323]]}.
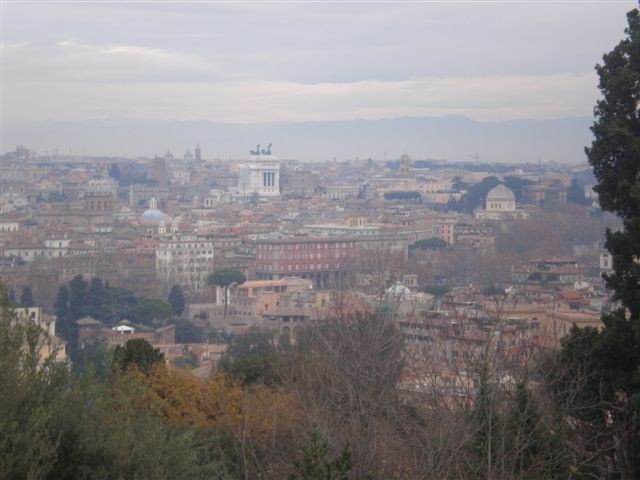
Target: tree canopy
{"points": [[226, 277], [477, 193], [137, 353], [149, 309], [432, 243], [59, 424], [251, 358]]}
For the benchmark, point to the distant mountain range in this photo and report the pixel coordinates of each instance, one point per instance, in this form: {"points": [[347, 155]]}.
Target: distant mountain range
{"points": [[452, 138]]}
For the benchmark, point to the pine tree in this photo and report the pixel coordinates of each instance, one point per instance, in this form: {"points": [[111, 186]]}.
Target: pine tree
{"points": [[225, 278]]}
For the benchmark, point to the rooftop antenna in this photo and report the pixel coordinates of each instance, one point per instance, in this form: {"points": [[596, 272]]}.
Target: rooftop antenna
{"points": [[476, 157]]}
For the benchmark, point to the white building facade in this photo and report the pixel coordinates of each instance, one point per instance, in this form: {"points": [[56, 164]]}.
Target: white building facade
{"points": [[185, 260], [258, 179]]}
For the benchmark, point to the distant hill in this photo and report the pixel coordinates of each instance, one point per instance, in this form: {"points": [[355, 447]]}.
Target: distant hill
{"points": [[453, 138]]}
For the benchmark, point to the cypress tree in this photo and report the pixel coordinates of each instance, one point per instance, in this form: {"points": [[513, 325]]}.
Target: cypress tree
{"points": [[606, 400], [26, 297]]}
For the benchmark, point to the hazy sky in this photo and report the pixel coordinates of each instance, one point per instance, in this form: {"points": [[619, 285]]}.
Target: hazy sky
{"points": [[257, 62]]}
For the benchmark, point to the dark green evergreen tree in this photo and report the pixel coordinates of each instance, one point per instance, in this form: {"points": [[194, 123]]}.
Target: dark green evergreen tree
{"points": [[251, 358], [188, 332], [317, 466], [433, 243], [575, 194], [150, 310], [77, 297], [96, 299], [517, 185], [12, 296], [61, 309], [477, 193], [137, 353], [176, 299], [26, 297], [607, 401]]}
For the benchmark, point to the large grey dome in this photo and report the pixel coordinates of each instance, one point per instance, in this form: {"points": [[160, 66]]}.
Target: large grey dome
{"points": [[500, 194]]}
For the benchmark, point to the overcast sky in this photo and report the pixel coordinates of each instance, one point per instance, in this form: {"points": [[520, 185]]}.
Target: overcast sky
{"points": [[268, 62]]}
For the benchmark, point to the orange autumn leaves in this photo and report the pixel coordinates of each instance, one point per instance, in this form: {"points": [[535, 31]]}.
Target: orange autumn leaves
{"points": [[262, 413]]}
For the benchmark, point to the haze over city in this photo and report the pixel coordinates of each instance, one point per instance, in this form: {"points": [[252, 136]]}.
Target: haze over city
{"points": [[71, 70]]}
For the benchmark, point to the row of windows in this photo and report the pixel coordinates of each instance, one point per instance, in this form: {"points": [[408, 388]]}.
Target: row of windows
{"points": [[182, 253], [186, 261], [193, 269], [299, 256], [304, 268], [187, 246], [99, 205], [304, 246], [40, 253]]}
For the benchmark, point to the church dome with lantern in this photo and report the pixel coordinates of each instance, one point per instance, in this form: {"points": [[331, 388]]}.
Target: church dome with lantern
{"points": [[153, 215]]}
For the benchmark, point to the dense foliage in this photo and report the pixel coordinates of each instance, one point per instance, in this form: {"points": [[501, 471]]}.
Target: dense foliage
{"points": [[251, 358], [432, 243], [107, 304], [600, 370], [58, 425]]}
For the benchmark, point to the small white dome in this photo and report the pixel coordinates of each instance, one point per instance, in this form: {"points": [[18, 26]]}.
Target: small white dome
{"points": [[152, 215], [398, 289]]}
